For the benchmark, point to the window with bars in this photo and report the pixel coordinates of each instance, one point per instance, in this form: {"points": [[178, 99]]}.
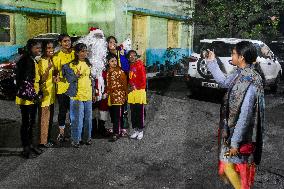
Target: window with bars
{"points": [[6, 28]]}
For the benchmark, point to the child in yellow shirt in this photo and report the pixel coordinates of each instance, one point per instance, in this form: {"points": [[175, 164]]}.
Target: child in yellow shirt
{"points": [[62, 57], [47, 86], [78, 74]]}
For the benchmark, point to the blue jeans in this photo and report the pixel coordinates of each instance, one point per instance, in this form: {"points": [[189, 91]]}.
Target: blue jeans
{"points": [[81, 118]]}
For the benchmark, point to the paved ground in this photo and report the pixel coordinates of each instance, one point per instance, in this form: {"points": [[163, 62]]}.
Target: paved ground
{"points": [[178, 150]]}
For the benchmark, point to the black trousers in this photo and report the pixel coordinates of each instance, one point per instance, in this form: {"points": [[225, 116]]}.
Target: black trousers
{"points": [[64, 106], [137, 115], [116, 112], [28, 128]]}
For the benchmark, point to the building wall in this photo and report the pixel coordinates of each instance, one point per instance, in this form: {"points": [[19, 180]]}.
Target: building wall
{"points": [[157, 35], [102, 15], [158, 13], [115, 17], [77, 16], [83, 14], [20, 11]]}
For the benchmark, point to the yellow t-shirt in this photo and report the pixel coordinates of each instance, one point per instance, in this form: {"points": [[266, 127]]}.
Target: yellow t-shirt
{"points": [[59, 59], [84, 90], [21, 101], [137, 97], [48, 86]]}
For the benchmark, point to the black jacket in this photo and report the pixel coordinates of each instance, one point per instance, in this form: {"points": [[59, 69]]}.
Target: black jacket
{"points": [[25, 70]]}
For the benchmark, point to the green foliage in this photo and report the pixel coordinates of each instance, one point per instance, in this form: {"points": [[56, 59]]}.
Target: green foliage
{"points": [[236, 18]]}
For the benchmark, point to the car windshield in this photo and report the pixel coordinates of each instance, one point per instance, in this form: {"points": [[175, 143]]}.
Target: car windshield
{"points": [[278, 49], [220, 48]]}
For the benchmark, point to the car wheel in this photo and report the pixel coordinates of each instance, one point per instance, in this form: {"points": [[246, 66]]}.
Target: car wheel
{"points": [[203, 70], [274, 87]]}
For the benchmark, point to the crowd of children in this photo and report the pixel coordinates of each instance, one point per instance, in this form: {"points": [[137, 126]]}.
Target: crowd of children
{"points": [[66, 77]]}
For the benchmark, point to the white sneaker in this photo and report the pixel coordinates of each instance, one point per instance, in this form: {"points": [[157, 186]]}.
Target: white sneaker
{"points": [[140, 135], [135, 134]]}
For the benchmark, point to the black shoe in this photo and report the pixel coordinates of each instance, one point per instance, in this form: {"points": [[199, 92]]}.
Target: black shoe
{"points": [[60, 138], [75, 145], [28, 155], [114, 138], [37, 151], [81, 142], [89, 142]]}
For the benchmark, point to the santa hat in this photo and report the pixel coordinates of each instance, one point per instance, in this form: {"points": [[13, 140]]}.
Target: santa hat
{"points": [[94, 30]]}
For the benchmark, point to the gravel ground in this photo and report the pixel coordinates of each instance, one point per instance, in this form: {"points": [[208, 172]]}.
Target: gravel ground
{"points": [[179, 150]]}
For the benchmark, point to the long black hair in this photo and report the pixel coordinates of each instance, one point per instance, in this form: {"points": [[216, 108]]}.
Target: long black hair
{"points": [[79, 47], [108, 40], [25, 67], [30, 44], [111, 37]]}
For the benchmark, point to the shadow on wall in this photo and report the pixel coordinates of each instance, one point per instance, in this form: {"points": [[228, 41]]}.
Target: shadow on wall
{"points": [[164, 62]]}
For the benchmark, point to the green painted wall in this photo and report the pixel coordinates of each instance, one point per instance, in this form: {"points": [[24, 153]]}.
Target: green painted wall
{"points": [[157, 32], [83, 14], [76, 16], [123, 23], [20, 28], [36, 4], [20, 23], [184, 36], [102, 15], [111, 16]]}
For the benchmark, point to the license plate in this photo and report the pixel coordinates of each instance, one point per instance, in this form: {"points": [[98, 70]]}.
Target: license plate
{"points": [[210, 85]]}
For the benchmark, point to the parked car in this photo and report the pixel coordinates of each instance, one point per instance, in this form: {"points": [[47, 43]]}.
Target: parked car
{"points": [[198, 75], [7, 77], [278, 49]]}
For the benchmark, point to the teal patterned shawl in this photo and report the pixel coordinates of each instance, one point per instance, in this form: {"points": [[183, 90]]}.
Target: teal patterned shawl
{"points": [[233, 103]]}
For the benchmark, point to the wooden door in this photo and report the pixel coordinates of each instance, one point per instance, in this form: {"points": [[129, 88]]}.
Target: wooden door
{"points": [[173, 34], [139, 35], [37, 25]]}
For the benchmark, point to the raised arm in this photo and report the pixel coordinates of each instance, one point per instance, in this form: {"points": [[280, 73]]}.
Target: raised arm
{"points": [[219, 76]]}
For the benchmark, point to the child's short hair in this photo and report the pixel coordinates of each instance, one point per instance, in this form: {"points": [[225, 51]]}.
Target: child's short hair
{"points": [[44, 46], [110, 56], [131, 51], [62, 36]]}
